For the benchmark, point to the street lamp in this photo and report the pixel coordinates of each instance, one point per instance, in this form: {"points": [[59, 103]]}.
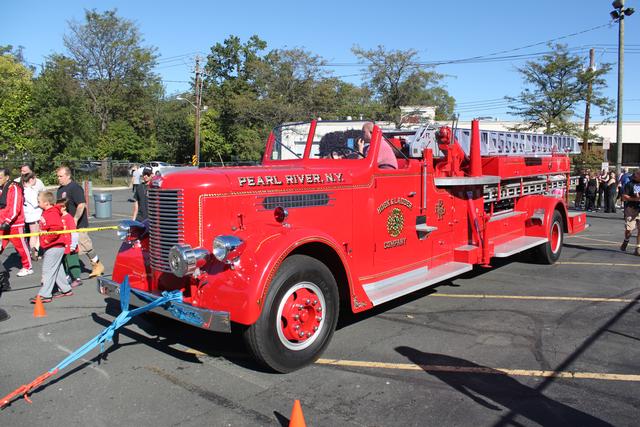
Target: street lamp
{"points": [[618, 14]]}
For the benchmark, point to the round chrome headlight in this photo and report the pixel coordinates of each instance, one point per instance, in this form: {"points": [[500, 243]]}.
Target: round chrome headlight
{"points": [[130, 230], [227, 249], [184, 260]]}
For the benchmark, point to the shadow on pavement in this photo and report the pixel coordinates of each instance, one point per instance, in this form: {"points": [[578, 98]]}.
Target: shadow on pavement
{"points": [[490, 388]]}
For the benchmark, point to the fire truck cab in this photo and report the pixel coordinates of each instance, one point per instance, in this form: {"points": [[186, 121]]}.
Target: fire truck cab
{"points": [[341, 215]]}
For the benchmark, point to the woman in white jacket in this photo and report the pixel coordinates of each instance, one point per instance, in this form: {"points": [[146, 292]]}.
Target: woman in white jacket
{"points": [[32, 211]]}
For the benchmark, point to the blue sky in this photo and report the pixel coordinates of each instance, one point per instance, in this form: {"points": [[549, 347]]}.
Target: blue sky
{"points": [[437, 30]]}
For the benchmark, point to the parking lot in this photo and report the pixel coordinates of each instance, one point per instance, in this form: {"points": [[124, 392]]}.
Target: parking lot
{"points": [[516, 344]]}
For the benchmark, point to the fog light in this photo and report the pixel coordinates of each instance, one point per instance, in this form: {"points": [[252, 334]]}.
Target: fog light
{"points": [[184, 260], [227, 249]]}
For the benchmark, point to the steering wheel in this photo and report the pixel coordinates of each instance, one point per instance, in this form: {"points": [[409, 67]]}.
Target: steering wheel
{"points": [[346, 152]]}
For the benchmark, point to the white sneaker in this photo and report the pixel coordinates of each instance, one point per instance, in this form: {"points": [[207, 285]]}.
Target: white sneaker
{"points": [[24, 272]]}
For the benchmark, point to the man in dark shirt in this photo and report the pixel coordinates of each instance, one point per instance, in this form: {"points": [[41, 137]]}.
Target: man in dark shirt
{"points": [[76, 203], [631, 197], [140, 208]]}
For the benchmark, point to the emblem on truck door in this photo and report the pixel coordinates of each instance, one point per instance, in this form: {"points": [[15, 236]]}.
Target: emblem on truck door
{"points": [[440, 209], [395, 222]]}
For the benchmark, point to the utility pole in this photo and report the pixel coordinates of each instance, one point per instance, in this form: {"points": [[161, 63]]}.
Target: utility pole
{"points": [[587, 112], [198, 103], [618, 14]]}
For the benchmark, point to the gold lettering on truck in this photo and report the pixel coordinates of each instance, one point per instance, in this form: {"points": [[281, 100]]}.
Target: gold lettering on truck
{"points": [[304, 179]]}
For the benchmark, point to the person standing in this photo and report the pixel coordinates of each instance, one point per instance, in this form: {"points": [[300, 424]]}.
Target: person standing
{"points": [[70, 261], [70, 190], [25, 169], [610, 193], [32, 211], [12, 219], [602, 184], [591, 192], [140, 208], [580, 188], [53, 247], [135, 180], [631, 198]]}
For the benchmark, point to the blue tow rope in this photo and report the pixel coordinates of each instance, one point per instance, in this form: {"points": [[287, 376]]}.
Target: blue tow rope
{"points": [[123, 318], [106, 335]]}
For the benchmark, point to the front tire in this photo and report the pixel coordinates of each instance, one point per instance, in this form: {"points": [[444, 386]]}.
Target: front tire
{"points": [[549, 253], [298, 318]]}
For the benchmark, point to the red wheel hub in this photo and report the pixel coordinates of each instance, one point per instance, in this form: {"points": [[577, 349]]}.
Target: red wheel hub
{"points": [[301, 315]]}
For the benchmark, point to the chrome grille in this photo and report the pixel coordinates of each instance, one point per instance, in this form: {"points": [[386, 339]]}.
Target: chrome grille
{"points": [[166, 225]]}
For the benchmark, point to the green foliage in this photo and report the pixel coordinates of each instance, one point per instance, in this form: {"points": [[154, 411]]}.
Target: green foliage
{"points": [[396, 79], [15, 102], [114, 69], [174, 131], [591, 159], [557, 86], [63, 126], [122, 142]]}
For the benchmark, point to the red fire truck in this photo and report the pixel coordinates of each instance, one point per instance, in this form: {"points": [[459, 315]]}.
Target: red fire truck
{"points": [[326, 223]]}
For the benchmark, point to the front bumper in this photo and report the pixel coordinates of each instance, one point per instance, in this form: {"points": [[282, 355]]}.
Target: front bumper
{"points": [[203, 318]]}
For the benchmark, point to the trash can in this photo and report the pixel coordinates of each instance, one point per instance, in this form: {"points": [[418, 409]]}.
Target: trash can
{"points": [[102, 202]]}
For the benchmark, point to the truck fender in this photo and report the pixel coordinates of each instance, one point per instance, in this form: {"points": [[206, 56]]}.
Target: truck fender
{"points": [[275, 248], [540, 213]]}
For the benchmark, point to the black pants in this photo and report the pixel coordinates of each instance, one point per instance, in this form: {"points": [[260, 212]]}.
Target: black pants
{"points": [[610, 200], [591, 202], [601, 191], [4, 277]]}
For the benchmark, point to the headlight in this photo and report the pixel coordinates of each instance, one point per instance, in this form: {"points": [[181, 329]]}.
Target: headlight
{"points": [[227, 249], [184, 260], [131, 230]]}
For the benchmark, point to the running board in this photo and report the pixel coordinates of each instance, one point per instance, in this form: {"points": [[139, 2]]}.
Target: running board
{"points": [[405, 283], [519, 244]]}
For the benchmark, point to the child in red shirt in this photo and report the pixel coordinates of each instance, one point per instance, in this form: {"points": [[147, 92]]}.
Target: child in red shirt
{"points": [[71, 260], [53, 246]]}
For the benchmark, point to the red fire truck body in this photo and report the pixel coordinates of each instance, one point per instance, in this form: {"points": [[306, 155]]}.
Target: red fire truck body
{"points": [[276, 249]]}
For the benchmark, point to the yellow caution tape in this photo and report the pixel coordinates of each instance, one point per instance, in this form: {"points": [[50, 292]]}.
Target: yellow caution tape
{"points": [[42, 233]]}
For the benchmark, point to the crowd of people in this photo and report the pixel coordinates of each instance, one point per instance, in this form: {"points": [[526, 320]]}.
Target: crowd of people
{"points": [[27, 207], [600, 191]]}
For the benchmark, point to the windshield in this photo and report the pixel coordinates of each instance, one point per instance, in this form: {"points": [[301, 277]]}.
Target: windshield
{"points": [[330, 140]]}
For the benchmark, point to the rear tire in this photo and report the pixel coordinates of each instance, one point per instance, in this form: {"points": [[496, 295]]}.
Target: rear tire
{"points": [[549, 253], [298, 318]]}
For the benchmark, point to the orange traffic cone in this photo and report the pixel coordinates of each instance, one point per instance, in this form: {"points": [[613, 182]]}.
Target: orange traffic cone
{"points": [[297, 419], [38, 310]]}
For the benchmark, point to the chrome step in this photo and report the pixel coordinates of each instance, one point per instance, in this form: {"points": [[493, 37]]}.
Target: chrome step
{"points": [[518, 245], [405, 283]]}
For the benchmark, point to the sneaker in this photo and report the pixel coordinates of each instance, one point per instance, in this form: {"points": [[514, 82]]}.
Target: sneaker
{"points": [[76, 283], [59, 294], [24, 272], [623, 246], [637, 252], [43, 299]]}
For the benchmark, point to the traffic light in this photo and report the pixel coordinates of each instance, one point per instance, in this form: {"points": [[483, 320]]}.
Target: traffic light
{"points": [[194, 160]]}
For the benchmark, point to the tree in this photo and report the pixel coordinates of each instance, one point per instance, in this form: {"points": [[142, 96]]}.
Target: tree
{"points": [[231, 91], [113, 67], [174, 131], [396, 79], [558, 84], [63, 126], [15, 101]]}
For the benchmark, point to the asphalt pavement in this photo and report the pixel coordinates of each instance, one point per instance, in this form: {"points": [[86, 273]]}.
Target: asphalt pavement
{"points": [[517, 344]]}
